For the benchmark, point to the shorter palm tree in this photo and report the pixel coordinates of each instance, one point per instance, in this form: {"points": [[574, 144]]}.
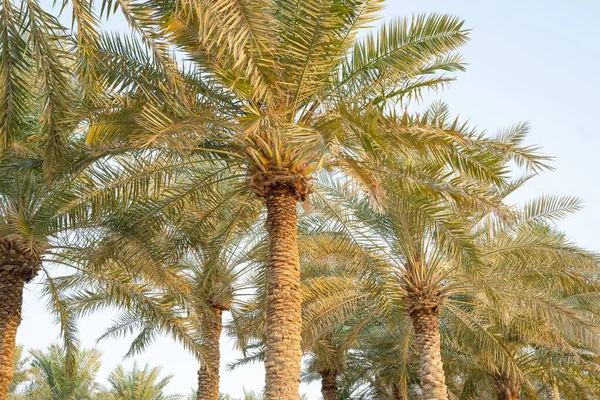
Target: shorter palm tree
{"points": [[248, 395], [173, 271], [139, 384], [48, 378], [24, 376], [384, 364]]}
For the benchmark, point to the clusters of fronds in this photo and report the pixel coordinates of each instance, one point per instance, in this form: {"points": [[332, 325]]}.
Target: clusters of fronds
{"points": [[140, 174]]}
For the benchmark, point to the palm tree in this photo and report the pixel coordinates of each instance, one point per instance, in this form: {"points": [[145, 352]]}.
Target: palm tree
{"points": [[24, 376], [139, 384], [175, 272], [384, 364], [534, 336], [34, 125], [53, 382], [424, 240], [554, 275], [335, 307], [424, 236], [285, 89], [31, 223]]}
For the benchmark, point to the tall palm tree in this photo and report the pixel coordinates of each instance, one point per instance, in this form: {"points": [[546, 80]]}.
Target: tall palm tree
{"points": [[32, 221], [288, 89], [139, 384], [425, 241]]}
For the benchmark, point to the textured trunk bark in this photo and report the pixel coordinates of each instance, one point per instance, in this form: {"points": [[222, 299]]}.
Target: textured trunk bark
{"points": [[329, 388], [208, 375], [18, 265], [11, 301], [284, 299], [508, 389], [427, 334], [553, 392]]}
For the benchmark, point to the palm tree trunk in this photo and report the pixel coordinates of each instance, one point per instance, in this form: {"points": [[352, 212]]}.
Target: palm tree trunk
{"points": [[18, 265], [507, 388], [427, 334], [11, 301], [284, 299], [329, 388], [208, 375]]}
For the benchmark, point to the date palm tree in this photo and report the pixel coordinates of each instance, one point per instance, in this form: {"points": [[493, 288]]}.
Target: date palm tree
{"points": [[424, 239], [535, 280], [24, 377], [427, 207], [139, 384], [549, 277], [174, 272], [37, 106], [286, 88], [50, 380]]}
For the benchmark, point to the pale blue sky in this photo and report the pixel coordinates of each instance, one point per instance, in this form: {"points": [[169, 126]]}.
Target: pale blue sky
{"points": [[528, 60]]}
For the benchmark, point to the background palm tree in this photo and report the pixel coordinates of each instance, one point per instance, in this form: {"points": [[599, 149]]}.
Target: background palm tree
{"points": [[139, 384], [175, 272], [31, 223], [52, 382], [384, 364], [24, 378]]}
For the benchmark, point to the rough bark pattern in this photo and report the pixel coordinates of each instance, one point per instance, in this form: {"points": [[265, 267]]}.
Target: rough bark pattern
{"points": [[208, 375], [507, 388], [11, 299], [284, 299], [553, 392], [17, 265], [427, 334], [329, 388]]}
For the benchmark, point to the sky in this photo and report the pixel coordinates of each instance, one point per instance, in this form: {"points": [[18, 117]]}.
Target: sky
{"points": [[529, 60]]}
